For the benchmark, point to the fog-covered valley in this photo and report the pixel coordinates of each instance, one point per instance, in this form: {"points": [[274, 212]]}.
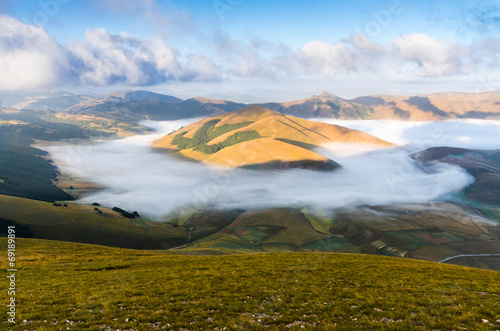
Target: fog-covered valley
{"points": [[136, 177]]}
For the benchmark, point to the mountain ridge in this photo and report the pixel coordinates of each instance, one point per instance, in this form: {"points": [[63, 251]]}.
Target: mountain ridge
{"points": [[141, 105]]}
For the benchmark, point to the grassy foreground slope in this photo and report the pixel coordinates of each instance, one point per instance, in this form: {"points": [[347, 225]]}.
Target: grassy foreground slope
{"points": [[76, 286]]}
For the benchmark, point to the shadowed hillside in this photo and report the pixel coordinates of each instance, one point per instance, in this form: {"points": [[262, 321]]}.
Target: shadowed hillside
{"points": [[484, 165]]}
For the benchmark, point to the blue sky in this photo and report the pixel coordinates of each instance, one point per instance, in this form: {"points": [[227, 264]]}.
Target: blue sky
{"points": [[229, 46], [293, 22]]}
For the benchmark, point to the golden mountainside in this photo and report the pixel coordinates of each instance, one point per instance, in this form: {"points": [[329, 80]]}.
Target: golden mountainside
{"points": [[433, 107], [428, 107], [259, 137]]}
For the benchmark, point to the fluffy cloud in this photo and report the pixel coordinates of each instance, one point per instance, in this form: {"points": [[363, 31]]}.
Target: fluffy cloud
{"points": [[253, 58], [326, 58], [434, 57], [29, 57], [430, 57], [107, 59], [199, 68]]}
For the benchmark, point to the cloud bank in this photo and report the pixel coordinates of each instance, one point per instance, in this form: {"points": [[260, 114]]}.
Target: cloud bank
{"points": [[102, 59], [31, 58], [154, 184]]}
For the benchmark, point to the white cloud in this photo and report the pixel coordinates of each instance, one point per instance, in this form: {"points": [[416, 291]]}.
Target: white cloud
{"points": [[253, 58], [325, 58], [124, 58], [202, 69], [29, 57], [429, 56], [433, 57]]}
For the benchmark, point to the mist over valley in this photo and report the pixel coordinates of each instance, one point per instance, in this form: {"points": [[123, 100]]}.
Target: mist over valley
{"points": [[137, 177]]}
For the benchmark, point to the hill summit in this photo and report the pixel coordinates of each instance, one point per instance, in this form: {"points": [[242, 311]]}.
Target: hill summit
{"points": [[257, 137]]}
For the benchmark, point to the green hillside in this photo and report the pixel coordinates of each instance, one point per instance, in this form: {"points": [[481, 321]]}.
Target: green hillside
{"points": [[428, 232], [72, 286]]}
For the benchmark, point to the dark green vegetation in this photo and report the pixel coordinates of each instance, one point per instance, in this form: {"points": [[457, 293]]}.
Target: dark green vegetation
{"points": [[234, 139], [83, 287], [124, 213], [24, 173], [208, 132]]}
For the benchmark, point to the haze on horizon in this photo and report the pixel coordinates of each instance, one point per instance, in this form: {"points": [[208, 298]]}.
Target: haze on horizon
{"points": [[283, 50]]}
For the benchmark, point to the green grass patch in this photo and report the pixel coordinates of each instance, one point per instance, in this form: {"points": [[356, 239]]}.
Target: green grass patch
{"points": [[409, 240], [234, 139], [364, 111], [84, 287], [138, 221], [334, 245], [317, 218]]}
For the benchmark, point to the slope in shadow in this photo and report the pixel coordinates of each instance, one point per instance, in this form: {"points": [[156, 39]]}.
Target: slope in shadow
{"points": [[426, 105], [484, 165]]}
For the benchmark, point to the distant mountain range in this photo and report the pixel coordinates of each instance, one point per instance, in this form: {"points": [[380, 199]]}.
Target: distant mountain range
{"points": [[257, 137], [137, 105], [48, 100]]}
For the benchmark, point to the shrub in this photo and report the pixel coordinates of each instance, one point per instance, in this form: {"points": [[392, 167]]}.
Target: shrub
{"points": [[234, 139], [205, 134]]}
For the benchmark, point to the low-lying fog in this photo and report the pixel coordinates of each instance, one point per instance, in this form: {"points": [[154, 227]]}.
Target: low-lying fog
{"points": [[153, 183]]}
